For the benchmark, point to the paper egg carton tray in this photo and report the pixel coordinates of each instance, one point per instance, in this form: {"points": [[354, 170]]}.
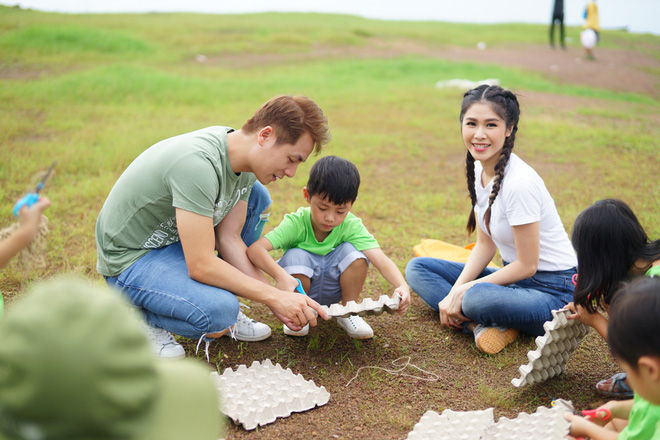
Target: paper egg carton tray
{"points": [[554, 348], [545, 423], [258, 395], [367, 307]]}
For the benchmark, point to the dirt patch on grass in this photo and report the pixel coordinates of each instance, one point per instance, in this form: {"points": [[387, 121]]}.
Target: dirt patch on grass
{"points": [[614, 69]]}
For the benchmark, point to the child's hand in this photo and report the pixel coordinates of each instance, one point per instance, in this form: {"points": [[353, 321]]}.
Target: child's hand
{"points": [[580, 427], [30, 216], [404, 293], [581, 314], [287, 284]]}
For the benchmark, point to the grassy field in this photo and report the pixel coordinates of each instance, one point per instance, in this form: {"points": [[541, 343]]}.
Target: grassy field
{"points": [[93, 91]]}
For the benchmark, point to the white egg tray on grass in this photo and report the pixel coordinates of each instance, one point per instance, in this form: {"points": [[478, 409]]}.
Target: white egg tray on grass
{"points": [[455, 425], [554, 348], [258, 395], [545, 423], [367, 307]]}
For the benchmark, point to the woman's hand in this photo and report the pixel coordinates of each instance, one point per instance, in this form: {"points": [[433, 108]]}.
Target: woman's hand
{"points": [[450, 307]]}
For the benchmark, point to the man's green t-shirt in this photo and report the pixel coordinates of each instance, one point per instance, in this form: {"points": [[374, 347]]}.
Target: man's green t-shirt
{"points": [[643, 423], [296, 231], [190, 172]]}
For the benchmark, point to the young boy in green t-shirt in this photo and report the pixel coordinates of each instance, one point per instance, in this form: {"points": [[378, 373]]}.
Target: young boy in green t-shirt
{"points": [[634, 337], [328, 248]]}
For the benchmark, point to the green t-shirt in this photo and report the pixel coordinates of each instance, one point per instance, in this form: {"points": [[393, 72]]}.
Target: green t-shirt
{"points": [[296, 231], [190, 172], [643, 423]]}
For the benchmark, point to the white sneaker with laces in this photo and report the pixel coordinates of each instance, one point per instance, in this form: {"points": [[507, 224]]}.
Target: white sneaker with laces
{"points": [[356, 327], [302, 332], [247, 329], [163, 344]]}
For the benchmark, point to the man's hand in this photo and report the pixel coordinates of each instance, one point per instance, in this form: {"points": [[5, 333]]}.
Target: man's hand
{"points": [[295, 310]]}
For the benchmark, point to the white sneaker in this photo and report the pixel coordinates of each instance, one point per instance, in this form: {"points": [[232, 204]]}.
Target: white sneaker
{"points": [[249, 330], [163, 344], [302, 332], [356, 327]]}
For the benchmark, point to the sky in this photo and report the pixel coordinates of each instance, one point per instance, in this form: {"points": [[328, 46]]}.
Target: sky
{"points": [[635, 15]]}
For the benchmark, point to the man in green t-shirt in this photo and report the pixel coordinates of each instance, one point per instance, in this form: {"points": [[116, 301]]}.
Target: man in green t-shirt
{"points": [[189, 196]]}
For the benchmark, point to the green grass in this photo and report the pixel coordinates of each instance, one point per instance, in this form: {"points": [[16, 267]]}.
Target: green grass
{"points": [[93, 91]]}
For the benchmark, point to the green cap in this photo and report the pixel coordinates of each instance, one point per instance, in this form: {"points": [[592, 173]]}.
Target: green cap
{"points": [[75, 364]]}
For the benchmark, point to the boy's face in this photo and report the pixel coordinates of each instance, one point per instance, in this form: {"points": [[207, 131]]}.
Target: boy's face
{"points": [[645, 380], [326, 215], [277, 161]]}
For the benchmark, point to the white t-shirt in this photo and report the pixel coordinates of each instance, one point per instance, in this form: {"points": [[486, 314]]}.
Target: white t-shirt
{"points": [[524, 199]]}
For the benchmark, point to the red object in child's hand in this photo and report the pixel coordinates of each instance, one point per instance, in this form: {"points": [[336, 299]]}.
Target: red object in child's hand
{"points": [[598, 413]]}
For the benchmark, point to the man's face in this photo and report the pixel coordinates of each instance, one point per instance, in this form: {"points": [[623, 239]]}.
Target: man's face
{"points": [[277, 161]]}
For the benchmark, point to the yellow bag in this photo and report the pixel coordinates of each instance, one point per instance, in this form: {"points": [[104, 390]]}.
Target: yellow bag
{"points": [[444, 251]]}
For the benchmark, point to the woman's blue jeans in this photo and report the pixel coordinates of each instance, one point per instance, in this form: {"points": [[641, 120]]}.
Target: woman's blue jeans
{"points": [[159, 284], [525, 305]]}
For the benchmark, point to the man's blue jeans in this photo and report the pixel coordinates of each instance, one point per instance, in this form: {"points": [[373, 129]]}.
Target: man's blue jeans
{"points": [[525, 305], [159, 284]]}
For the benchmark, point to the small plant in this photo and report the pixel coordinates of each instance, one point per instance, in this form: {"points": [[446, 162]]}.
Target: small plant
{"points": [[314, 342]]}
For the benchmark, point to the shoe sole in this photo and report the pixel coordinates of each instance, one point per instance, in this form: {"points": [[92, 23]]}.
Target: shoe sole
{"points": [[169, 358], [492, 340], [252, 338]]}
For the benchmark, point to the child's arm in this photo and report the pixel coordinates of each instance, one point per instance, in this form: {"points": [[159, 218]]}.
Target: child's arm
{"points": [[581, 427], [594, 428], [259, 254], [392, 274], [29, 219]]}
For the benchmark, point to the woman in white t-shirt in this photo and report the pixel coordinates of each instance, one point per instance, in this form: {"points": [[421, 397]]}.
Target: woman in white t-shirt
{"points": [[512, 212]]}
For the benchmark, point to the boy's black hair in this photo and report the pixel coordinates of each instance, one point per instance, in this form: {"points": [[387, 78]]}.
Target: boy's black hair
{"points": [[608, 240], [634, 327], [334, 179]]}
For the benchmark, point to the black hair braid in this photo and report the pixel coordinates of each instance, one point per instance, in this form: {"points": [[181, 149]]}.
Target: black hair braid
{"points": [[469, 172]]}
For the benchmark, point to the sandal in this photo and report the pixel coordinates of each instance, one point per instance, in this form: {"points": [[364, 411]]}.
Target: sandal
{"points": [[616, 386]]}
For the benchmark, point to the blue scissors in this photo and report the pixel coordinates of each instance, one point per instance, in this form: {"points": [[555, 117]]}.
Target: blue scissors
{"points": [[300, 289], [31, 198]]}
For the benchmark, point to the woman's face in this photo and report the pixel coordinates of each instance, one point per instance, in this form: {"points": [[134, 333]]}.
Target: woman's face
{"points": [[484, 133]]}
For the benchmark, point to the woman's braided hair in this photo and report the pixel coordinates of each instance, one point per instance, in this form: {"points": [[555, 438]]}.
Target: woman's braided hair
{"points": [[505, 104]]}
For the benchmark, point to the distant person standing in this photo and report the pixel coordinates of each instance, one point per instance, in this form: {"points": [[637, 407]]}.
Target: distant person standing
{"points": [[591, 24], [557, 18]]}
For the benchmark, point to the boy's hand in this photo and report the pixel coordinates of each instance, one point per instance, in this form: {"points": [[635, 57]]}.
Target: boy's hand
{"points": [[404, 293], [295, 310], [580, 426], [287, 284]]}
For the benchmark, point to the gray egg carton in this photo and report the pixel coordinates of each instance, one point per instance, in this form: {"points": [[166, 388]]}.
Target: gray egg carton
{"points": [[465, 425], [367, 307], [554, 348], [545, 423], [258, 395]]}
